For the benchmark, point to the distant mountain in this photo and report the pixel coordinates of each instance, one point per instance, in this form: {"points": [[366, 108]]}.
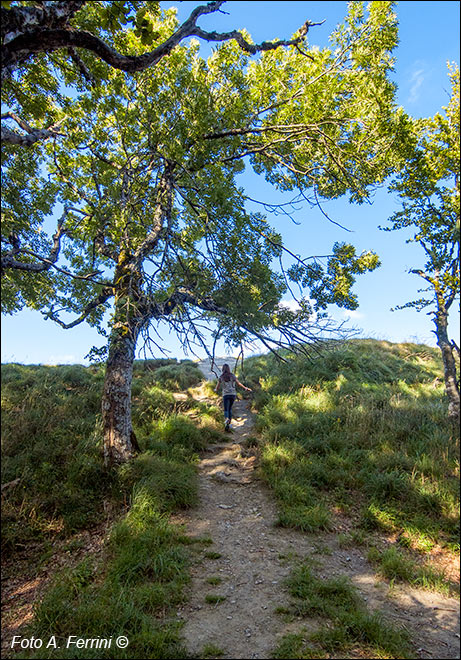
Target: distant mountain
{"points": [[213, 371]]}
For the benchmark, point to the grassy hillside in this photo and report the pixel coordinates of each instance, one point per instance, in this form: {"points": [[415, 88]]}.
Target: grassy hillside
{"points": [[52, 463], [361, 430], [51, 446]]}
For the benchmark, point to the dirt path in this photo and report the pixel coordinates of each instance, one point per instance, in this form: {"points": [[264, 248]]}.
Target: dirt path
{"points": [[238, 513]]}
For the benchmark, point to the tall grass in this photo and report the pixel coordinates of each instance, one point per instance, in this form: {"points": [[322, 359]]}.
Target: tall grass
{"points": [[132, 594], [361, 427], [53, 458], [51, 451]]}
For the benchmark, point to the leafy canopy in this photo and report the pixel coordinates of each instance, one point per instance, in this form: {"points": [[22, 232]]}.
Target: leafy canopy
{"points": [[428, 186], [146, 168]]}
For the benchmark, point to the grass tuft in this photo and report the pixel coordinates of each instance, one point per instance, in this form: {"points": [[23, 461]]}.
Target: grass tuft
{"points": [[394, 565], [214, 599], [212, 651], [337, 600], [213, 555]]}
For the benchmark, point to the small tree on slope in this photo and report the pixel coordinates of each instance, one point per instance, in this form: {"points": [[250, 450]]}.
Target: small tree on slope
{"points": [[429, 188]]}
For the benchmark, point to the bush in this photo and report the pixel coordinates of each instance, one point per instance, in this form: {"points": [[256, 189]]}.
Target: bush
{"points": [[178, 376], [152, 404], [170, 483]]}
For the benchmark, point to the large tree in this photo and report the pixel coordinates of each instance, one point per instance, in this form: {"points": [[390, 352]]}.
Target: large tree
{"points": [[428, 186], [154, 224]]}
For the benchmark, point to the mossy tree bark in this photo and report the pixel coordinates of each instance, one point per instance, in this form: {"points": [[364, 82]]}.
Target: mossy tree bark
{"points": [[449, 365], [118, 436], [116, 401]]}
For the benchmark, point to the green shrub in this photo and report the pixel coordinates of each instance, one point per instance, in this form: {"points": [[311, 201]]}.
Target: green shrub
{"points": [[152, 404], [171, 483], [178, 376]]}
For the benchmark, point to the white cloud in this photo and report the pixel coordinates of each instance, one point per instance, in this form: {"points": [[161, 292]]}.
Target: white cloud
{"points": [[292, 305], [416, 82], [353, 314], [54, 360]]}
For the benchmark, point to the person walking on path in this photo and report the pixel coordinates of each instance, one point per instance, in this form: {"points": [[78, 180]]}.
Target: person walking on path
{"points": [[228, 382]]}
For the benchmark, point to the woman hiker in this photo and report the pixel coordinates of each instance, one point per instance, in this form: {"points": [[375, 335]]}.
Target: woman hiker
{"points": [[228, 381]]}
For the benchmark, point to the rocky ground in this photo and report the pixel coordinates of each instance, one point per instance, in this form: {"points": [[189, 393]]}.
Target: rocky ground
{"points": [[212, 369]]}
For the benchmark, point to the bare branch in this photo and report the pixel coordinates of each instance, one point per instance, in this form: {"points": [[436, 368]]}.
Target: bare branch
{"points": [[244, 44], [32, 135], [105, 294], [181, 297], [42, 34]]}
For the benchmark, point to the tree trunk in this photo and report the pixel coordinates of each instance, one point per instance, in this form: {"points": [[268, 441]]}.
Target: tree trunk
{"points": [[119, 439], [449, 364], [118, 436]]}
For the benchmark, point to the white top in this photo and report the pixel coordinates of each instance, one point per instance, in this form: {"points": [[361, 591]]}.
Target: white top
{"points": [[228, 386]]}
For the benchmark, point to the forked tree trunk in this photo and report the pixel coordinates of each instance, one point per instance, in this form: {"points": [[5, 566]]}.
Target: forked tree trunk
{"points": [[119, 440], [449, 364]]}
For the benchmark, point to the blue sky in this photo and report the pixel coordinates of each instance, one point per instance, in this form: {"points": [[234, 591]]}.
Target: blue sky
{"points": [[429, 38]]}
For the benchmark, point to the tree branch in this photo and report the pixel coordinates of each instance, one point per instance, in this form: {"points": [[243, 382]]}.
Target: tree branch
{"points": [[8, 260], [81, 66], [181, 297], [103, 248], [18, 19], [41, 34], [162, 212], [32, 135], [105, 294]]}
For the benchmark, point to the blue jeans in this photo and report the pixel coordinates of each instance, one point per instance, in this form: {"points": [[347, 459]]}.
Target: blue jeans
{"points": [[228, 401]]}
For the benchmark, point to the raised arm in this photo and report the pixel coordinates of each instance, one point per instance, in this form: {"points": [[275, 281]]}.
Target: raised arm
{"points": [[248, 389]]}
